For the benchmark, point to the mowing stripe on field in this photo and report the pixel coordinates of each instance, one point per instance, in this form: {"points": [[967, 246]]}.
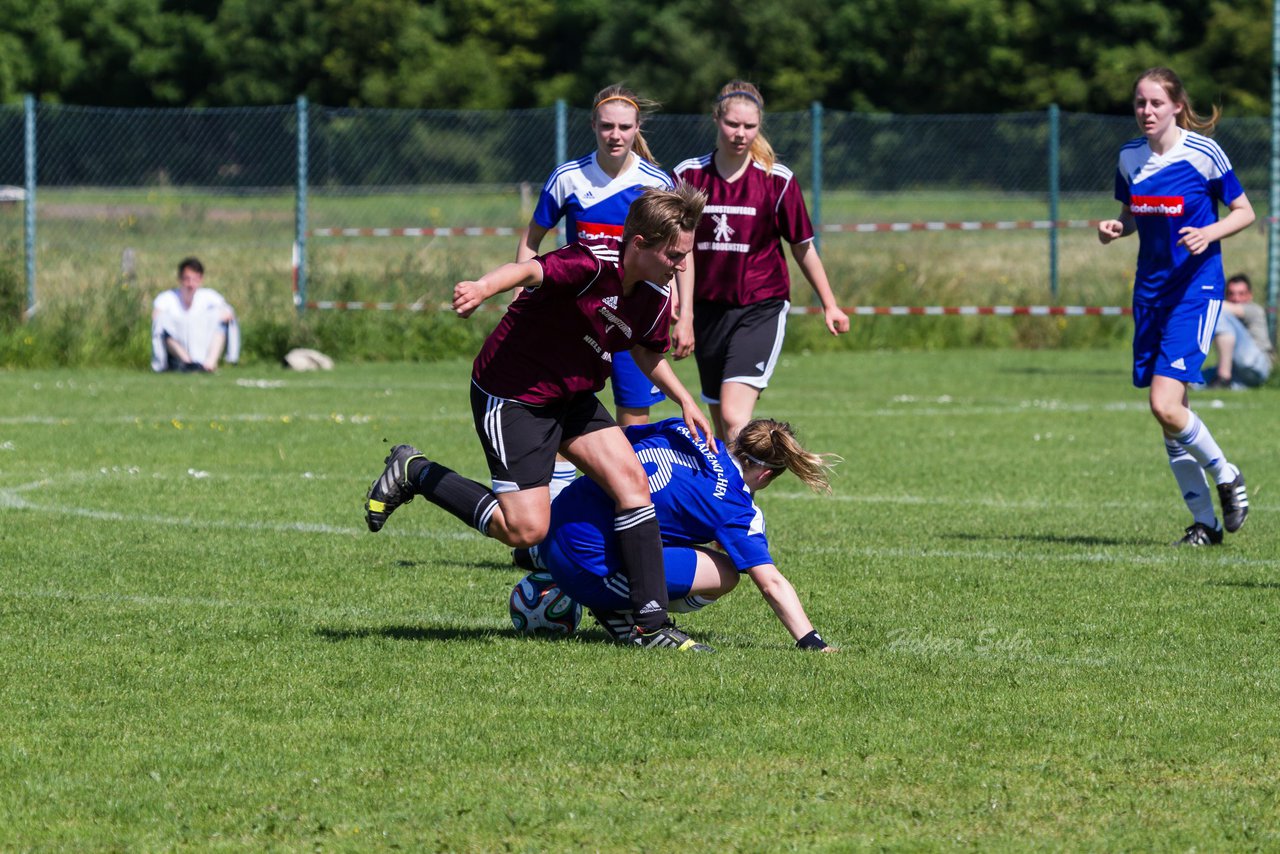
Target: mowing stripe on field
{"points": [[909, 406], [1210, 558], [10, 500]]}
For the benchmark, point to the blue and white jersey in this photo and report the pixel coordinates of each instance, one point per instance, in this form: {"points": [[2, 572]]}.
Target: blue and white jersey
{"points": [[593, 205], [1167, 193], [698, 493]]}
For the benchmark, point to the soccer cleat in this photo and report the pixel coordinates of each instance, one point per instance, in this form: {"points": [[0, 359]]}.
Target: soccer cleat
{"points": [[1200, 534], [391, 489], [616, 624], [666, 636], [1235, 503]]}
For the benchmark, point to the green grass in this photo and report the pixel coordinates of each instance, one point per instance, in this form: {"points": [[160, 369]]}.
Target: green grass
{"points": [[201, 647]]}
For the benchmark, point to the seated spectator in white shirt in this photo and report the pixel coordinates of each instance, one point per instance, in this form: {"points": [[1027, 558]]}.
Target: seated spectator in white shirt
{"points": [[192, 326]]}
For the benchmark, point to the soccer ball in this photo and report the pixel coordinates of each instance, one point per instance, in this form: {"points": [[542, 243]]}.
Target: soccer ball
{"points": [[539, 607]]}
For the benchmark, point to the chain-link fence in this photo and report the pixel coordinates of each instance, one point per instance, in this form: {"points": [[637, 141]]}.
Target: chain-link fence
{"points": [[127, 193]]}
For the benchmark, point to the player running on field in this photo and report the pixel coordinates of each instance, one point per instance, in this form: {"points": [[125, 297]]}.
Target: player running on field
{"points": [[533, 391], [703, 494], [592, 195], [735, 303], [1169, 182]]}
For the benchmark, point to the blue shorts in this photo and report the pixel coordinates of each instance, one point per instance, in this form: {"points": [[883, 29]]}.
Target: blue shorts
{"points": [[583, 557], [1172, 341], [631, 388]]}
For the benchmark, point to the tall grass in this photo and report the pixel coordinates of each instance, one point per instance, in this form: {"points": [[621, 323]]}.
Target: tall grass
{"points": [[94, 310]]}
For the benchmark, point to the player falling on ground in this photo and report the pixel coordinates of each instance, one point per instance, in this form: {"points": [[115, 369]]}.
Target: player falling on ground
{"points": [[735, 303], [703, 493], [592, 194], [533, 391], [1169, 182]]}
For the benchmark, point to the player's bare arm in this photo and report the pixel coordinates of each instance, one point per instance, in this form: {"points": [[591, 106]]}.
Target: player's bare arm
{"points": [[784, 601], [682, 338], [658, 369], [468, 296], [811, 265]]}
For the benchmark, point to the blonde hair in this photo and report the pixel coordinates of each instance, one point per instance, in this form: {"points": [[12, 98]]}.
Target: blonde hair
{"points": [[658, 215], [1187, 119], [742, 92], [773, 445], [643, 107]]}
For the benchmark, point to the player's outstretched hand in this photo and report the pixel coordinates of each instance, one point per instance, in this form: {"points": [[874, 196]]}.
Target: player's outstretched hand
{"points": [[467, 297]]}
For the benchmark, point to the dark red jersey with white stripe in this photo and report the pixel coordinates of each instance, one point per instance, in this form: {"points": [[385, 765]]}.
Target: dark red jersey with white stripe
{"points": [[737, 253], [558, 339]]}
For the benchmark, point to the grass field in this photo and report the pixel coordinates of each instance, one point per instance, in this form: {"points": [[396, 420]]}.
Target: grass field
{"points": [[202, 648]]}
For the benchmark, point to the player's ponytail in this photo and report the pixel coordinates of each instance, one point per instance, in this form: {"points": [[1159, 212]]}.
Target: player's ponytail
{"points": [[773, 445], [643, 106], [742, 92], [1187, 118]]}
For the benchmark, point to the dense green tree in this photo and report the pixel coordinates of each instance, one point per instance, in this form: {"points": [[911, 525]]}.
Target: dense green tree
{"points": [[904, 56]]}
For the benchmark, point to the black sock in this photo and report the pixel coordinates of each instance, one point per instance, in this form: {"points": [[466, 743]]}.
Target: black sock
{"points": [[471, 502], [640, 542]]}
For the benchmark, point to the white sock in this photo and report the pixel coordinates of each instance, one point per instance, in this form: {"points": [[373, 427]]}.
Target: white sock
{"points": [[562, 476], [1200, 444], [1191, 483], [689, 604]]}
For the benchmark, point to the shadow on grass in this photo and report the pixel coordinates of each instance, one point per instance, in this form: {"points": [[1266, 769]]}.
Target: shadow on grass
{"points": [[1031, 370], [1247, 585], [423, 633], [474, 564], [1056, 539]]}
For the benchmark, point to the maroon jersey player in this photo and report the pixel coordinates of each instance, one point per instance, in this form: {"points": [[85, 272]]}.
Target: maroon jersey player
{"points": [[533, 394], [735, 303]]}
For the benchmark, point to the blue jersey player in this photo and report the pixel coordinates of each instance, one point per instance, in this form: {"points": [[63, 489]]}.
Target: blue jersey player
{"points": [[703, 494], [592, 195], [1169, 182]]}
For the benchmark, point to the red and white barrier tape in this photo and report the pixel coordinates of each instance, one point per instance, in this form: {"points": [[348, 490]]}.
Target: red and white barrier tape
{"points": [[415, 232], [857, 227], [857, 310], [1004, 225]]}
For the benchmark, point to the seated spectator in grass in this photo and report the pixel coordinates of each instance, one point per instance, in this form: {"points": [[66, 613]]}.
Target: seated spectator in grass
{"points": [[192, 326], [1245, 354]]}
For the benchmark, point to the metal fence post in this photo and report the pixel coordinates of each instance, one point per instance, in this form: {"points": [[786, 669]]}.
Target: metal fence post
{"points": [[300, 213], [29, 203], [815, 143], [562, 155], [1273, 197], [1055, 187]]}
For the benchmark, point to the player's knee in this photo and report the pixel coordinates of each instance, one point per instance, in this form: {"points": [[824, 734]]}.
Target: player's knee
{"points": [[525, 536]]}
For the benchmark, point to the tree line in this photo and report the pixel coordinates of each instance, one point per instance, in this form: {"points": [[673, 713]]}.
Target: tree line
{"points": [[899, 56]]}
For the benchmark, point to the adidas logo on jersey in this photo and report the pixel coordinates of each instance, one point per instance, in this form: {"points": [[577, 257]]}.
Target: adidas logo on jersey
{"points": [[612, 302], [1179, 364]]}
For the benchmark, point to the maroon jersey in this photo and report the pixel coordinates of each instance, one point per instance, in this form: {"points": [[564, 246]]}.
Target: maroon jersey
{"points": [[737, 253], [558, 339]]}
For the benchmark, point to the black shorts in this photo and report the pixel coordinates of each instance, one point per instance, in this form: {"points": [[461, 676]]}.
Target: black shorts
{"points": [[737, 343], [521, 441]]}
